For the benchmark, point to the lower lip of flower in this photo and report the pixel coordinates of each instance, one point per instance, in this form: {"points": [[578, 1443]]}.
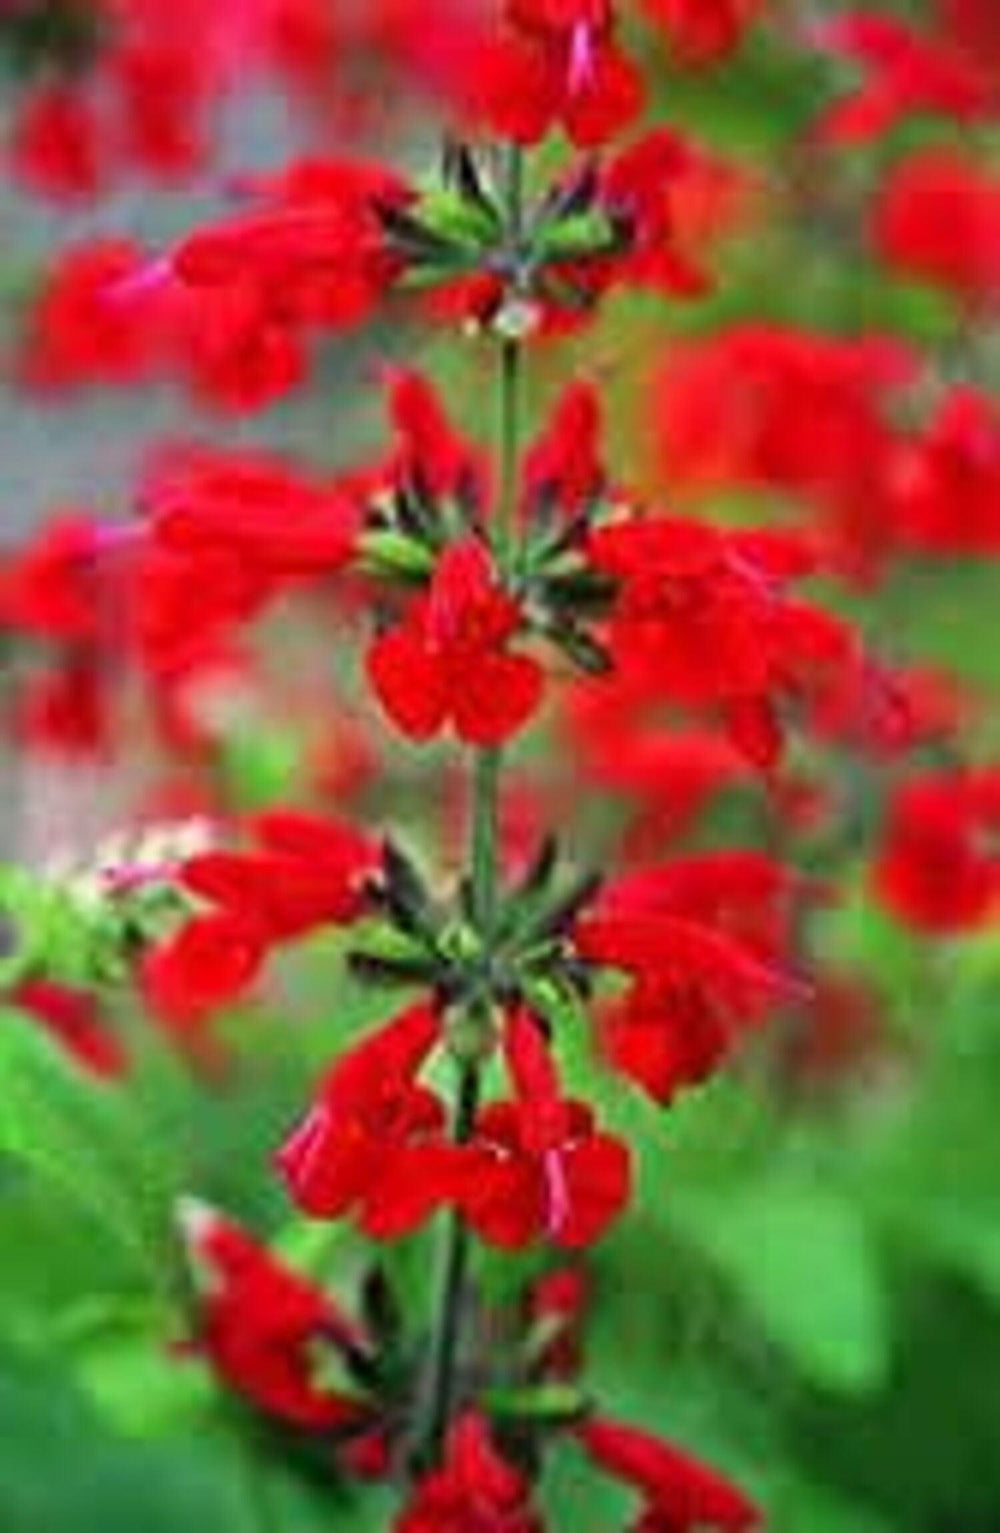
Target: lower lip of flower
{"points": [[558, 1192]]}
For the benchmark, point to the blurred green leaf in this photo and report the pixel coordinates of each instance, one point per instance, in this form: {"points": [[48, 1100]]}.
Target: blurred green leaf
{"points": [[81, 1137], [798, 1254]]}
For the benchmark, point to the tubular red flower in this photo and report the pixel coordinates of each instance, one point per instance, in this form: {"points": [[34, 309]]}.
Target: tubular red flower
{"points": [[938, 219], [50, 588], [937, 870], [431, 457], [308, 871], [447, 661], [556, 64], [702, 617], [474, 1490], [373, 1143], [682, 1494], [537, 1167], [73, 1019], [56, 147], [260, 1324], [252, 507], [563, 468], [907, 72], [705, 941]]}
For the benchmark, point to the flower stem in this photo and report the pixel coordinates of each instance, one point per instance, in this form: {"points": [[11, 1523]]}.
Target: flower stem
{"points": [[451, 1296], [510, 371], [485, 837], [484, 853]]}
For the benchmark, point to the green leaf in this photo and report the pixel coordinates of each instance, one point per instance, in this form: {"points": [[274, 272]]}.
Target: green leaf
{"points": [[556, 1001], [798, 1255], [395, 553], [448, 213], [555, 1403], [56, 932], [81, 1137], [138, 1386], [580, 235]]}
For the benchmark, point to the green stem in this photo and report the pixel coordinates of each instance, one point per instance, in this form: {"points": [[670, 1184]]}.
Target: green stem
{"points": [[450, 1306], [451, 1301], [510, 372], [485, 837]]}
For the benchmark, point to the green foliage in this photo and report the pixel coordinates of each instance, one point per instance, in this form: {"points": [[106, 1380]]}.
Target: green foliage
{"points": [[86, 1145], [798, 1254], [54, 930]]}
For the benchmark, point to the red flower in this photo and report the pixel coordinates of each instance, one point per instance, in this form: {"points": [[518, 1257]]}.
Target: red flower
{"points": [[536, 1166], [704, 940], [431, 459], [783, 408], [886, 712], [49, 588], [447, 661], [944, 486], [183, 607], [619, 742], [252, 508], [682, 1495], [556, 63], [474, 1490], [937, 870], [907, 73], [262, 1325], [73, 1019], [65, 710], [702, 618], [563, 468], [230, 346], [938, 219], [703, 31], [373, 1142], [309, 871], [644, 186], [313, 252], [158, 82], [95, 321], [56, 148], [206, 965]]}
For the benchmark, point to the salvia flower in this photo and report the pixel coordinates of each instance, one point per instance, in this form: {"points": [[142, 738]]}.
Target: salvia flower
{"points": [[447, 661], [681, 1495], [704, 616], [705, 942], [556, 62], [702, 32], [373, 1144], [308, 871], [473, 1491], [938, 870], [262, 1326], [538, 1168], [905, 72]]}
